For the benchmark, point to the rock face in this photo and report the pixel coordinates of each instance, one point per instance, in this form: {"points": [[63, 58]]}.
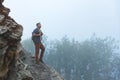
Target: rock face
{"points": [[15, 62], [10, 47], [41, 71]]}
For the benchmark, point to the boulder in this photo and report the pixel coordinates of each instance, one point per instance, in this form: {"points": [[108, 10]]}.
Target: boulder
{"points": [[15, 62]]}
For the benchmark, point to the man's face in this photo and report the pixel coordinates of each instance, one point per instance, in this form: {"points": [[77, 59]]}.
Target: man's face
{"points": [[39, 26]]}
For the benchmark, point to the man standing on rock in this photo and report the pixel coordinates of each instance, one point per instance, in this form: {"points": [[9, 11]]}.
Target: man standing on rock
{"points": [[37, 37]]}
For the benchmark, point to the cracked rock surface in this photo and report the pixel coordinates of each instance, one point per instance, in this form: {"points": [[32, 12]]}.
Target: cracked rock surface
{"points": [[15, 62]]}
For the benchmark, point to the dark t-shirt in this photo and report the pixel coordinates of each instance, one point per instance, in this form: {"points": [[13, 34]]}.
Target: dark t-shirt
{"points": [[36, 39]]}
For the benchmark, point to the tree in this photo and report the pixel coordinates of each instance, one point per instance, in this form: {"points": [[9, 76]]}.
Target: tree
{"points": [[87, 60], [91, 59]]}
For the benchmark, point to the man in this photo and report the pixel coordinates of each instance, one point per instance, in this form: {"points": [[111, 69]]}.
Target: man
{"points": [[37, 37]]}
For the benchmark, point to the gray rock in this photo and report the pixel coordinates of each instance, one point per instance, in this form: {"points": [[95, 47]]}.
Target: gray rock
{"points": [[3, 29], [3, 43], [15, 62], [2, 17], [41, 71]]}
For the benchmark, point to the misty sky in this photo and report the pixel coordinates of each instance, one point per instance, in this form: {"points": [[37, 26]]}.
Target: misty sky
{"points": [[77, 19]]}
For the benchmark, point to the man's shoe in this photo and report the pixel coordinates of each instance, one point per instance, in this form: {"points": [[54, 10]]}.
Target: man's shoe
{"points": [[41, 61]]}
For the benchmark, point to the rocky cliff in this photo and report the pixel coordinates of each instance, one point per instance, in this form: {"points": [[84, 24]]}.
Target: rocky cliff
{"points": [[39, 72], [15, 62]]}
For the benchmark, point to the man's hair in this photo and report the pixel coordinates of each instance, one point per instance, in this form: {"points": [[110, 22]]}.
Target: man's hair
{"points": [[37, 23]]}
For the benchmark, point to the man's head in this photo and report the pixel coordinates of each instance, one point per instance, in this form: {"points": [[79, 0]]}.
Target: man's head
{"points": [[38, 25]]}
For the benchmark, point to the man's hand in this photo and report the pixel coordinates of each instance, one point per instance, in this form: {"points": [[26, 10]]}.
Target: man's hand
{"points": [[36, 34]]}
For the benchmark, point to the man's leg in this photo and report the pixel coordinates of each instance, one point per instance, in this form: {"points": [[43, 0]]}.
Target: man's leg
{"points": [[37, 53], [42, 51]]}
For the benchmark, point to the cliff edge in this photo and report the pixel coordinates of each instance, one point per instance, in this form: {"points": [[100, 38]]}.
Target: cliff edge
{"points": [[15, 62]]}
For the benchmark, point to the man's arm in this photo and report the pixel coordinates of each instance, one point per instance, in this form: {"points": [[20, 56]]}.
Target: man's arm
{"points": [[34, 34]]}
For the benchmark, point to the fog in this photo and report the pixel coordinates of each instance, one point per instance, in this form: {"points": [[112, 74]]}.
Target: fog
{"points": [[77, 19]]}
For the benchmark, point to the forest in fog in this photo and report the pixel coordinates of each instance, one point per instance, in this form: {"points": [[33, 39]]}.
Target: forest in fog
{"points": [[92, 59]]}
